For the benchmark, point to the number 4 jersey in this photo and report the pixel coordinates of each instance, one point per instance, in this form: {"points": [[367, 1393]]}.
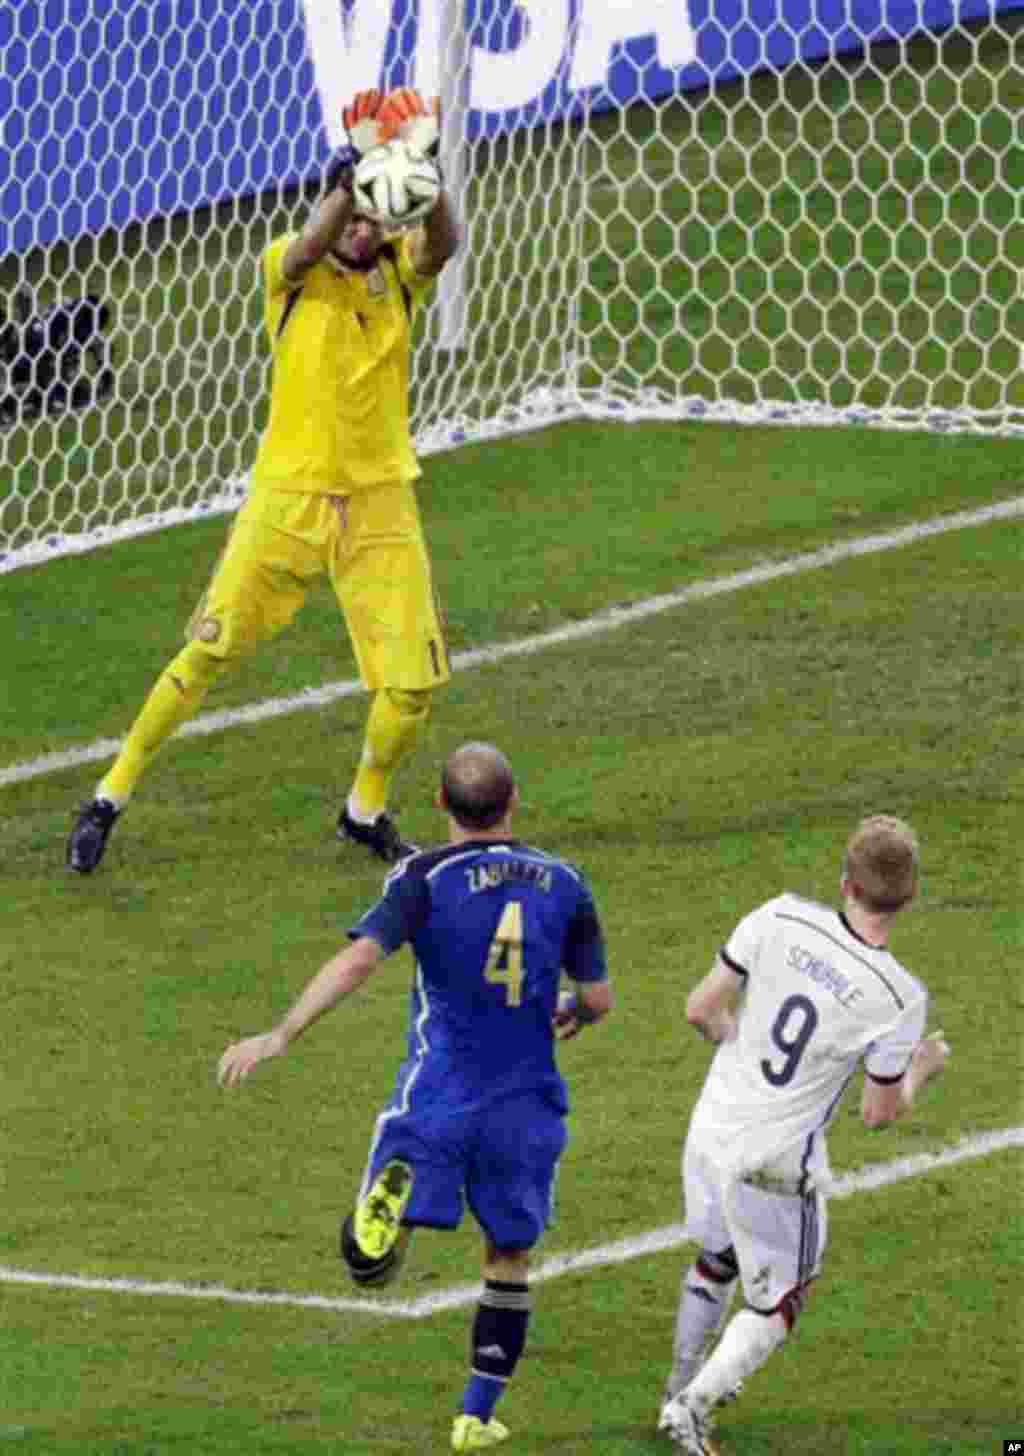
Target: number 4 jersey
{"points": [[492, 926], [816, 1001]]}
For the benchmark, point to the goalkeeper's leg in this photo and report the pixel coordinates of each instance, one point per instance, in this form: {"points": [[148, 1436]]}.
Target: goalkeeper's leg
{"points": [[256, 589], [176, 696], [393, 728], [381, 575], [394, 725]]}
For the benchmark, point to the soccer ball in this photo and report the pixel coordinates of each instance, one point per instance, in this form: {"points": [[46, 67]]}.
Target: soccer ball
{"points": [[395, 186]]}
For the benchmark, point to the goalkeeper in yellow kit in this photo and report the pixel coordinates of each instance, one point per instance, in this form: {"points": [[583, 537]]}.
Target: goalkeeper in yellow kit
{"points": [[331, 489]]}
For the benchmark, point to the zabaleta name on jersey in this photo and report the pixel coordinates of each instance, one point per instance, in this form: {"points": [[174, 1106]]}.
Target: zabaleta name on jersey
{"points": [[484, 876]]}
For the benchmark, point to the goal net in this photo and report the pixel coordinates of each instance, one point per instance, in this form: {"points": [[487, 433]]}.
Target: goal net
{"points": [[741, 212]]}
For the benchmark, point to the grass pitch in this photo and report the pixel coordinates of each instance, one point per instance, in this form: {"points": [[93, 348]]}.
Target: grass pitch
{"points": [[694, 764]]}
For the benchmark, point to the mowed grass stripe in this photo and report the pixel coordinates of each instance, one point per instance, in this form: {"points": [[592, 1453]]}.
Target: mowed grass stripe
{"points": [[621, 1251], [600, 622]]}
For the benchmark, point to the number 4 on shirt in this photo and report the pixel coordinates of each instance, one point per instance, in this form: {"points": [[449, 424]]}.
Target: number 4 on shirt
{"points": [[505, 957]]}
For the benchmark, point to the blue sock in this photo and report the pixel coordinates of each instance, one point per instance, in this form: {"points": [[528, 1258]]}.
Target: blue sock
{"points": [[481, 1395]]}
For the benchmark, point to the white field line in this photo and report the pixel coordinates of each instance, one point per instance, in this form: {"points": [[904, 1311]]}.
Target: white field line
{"points": [[604, 621], [875, 1175]]}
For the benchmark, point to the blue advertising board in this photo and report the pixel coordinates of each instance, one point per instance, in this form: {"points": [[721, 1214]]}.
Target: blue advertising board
{"points": [[116, 111]]}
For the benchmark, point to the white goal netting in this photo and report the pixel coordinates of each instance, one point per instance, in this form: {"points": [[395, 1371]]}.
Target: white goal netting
{"points": [[727, 218]]}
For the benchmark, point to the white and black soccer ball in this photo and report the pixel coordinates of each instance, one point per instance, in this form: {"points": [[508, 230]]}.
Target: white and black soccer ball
{"points": [[395, 186]]}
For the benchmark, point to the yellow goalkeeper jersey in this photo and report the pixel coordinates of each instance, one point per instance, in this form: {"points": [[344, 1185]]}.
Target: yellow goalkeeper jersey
{"points": [[339, 401]]}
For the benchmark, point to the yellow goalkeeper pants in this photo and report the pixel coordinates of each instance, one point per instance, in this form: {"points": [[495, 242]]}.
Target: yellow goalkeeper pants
{"points": [[371, 547], [369, 544]]}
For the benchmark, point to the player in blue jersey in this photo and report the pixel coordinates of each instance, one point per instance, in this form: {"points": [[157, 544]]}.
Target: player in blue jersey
{"points": [[478, 1111]]}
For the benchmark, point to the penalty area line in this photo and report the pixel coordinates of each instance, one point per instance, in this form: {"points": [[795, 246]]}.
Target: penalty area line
{"points": [[607, 620], [864, 1180]]}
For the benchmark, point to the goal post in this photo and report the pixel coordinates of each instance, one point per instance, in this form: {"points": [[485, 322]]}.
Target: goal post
{"points": [[785, 214]]}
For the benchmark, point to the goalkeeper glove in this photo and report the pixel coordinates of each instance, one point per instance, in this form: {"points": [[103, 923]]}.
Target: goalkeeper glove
{"points": [[363, 127], [406, 116]]}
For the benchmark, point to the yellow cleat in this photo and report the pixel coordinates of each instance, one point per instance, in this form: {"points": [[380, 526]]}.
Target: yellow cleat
{"points": [[378, 1218], [470, 1433]]}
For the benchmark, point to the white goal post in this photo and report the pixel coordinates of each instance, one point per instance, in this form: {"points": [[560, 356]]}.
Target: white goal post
{"points": [[732, 210]]}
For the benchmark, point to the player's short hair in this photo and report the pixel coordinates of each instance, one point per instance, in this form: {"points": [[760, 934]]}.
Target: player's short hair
{"points": [[477, 785], [882, 862]]}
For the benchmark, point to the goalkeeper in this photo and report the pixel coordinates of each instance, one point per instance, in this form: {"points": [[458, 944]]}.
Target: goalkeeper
{"points": [[331, 489]]}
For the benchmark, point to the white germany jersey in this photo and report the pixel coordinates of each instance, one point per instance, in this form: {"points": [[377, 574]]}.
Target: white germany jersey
{"points": [[816, 1002]]}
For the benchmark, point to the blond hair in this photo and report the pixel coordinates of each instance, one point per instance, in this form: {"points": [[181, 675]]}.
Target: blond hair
{"points": [[881, 862]]}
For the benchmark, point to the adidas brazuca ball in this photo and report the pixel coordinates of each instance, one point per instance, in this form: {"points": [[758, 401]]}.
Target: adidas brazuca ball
{"points": [[394, 185]]}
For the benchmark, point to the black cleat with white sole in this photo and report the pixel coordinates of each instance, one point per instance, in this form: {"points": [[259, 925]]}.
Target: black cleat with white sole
{"points": [[88, 839], [381, 837]]}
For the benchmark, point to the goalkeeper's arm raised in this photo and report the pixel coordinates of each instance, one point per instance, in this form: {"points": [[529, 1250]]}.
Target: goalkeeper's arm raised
{"points": [[406, 117], [318, 236], [435, 240], [363, 129]]}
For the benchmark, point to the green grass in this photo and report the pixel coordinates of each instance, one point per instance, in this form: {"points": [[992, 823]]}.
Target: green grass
{"points": [[141, 1378], [694, 763], [834, 235], [543, 529]]}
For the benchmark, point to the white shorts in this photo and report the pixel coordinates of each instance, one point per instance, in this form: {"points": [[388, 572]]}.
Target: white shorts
{"points": [[778, 1232]]}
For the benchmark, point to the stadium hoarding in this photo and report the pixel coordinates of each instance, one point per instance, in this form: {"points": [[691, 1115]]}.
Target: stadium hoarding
{"points": [[117, 111]]}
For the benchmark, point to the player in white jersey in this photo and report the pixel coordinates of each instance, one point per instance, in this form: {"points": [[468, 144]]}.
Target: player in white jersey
{"points": [[801, 995]]}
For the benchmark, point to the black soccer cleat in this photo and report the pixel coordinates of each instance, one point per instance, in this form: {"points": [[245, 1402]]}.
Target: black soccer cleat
{"points": [[381, 837], [89, 837]]}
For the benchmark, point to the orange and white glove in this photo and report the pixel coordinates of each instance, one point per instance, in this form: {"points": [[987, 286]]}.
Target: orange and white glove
{"points": [[364, 129], [363, 123], [406, 116]]}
